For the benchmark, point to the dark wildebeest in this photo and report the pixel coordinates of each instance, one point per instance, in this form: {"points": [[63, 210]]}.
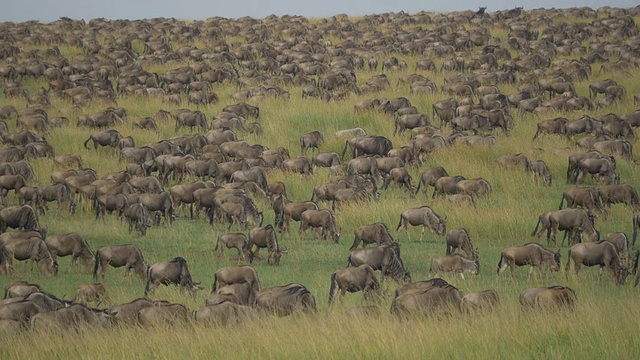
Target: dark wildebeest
{"points": [[531, 254], [104, 138], [311, 140], [243, 109], [146, 184], [19, 217], [137, 215], [572, 167], [446, 185], [265, 237], [437, 300], [602, 253], [429, 176], [459, 239], [454, 263], [586, 198], [540, 170], [553, 126], [552, 297], [235, 275], [620, 193], [163, 314], [622, 244], [236, 240], [286, 300], [475, 187], [368, 145], [323, 219], [385, 258], [128, 256], [325, 159], [60, 193], [287, 211], [32, 249], [175, 271], [353, 279], [255, 174], [573, 220], [424, 216], [159, 202], [604, 167], [71, 244], [104, 203], [127, 313], [86, 293], [377, 233], [480, 301], [11, 182]]}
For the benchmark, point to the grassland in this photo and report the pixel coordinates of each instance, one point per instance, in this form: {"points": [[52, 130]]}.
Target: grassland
{"points": [[604, 325]]}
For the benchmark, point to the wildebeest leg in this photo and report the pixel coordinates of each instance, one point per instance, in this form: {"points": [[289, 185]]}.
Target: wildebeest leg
{"points": [[424, 227], [600, 271], [513, 276], [531, 269]]}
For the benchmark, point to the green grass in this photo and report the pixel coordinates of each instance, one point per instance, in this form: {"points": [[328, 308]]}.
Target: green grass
{"points": [[603, 324]]}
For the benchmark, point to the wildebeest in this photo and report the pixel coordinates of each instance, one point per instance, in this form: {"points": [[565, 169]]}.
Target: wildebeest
{"points": [[552, 297], [301, 165], [61, 193], [385, 258], [573, 160], [19, 217], [604, 168], [286, 299], [240, 293], [540, 170], [86, 293], [514, 160], [586, 198], [619, 193], [424, 216], [137, 216], [71, 244], [368, 145], [286, 211], [159, 202], [377, 233], [255, 174], [602, 253], [454, 263], [129, 256], [325, 159], [69, 318], [459, 239], [353, 279], [446, 185], [265, 237], [311, 140], [323, 219], [234, 275], [429, 176], [104, 138], [175, 271], [20, 289], [33, 249], [236, 240], [480, 301], [127, 313], [573, 220], [553, 126], [224, 313], [436, 300], [163, 314], [531, 254]]}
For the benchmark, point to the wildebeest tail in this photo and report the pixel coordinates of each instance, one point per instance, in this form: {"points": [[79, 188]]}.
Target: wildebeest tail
{"points": [[420, 184], [95, 266], [215, 282], [148, 285], [561, 202], [568, 266], [333, 288], [636, 219], [500, 263], [535, 230]]}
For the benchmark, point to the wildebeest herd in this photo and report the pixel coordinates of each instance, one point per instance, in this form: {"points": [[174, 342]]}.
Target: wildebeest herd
{"points": [[231, 182]]}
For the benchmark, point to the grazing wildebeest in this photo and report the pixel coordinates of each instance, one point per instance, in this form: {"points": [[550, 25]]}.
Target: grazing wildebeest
{"points": [[19, 217], [86, 293], [234, 275], [531, 254], [325, 159], [553, 126], [71, 244], [60, 193], [454, 263], [586, 198], [255, 174], [540, 170], [459, 239], [127, 313], [437, 300], [243, 109], [368, 145], [175, 271], [619, 193], [480, 301], [424, 216], [236, 240], [137, 215], [377, 233], [301, 165], [323, 219], [311, 140], [622, 244], [32, 249], [604, 167], [446, 185], [286, 299], [239, 213], [265, 237], [146, 184], [159, 202], [238, 293], [104, 203], [104, 138], [573, 220], [287, 211], [11, 182], [410, 121], [550, 298], [223, 313], [514, 161], [385, 258], [129, 256], [602, 253], [475, 187], [163, 314], [572, 167], [429, 176], [353, 279]]}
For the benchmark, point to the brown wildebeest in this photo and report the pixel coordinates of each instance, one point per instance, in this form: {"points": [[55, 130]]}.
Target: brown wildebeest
{"points": [[60, 193], [325, 159], [175, 271], [238, 293], [604, 168], [33, 249], [265, 237], [323, 219], [514, 161], [550, 298], [553, 126], [311, 140], [86, 293], [69, 160], [286, 299], [224, 313], [11, 182], [424, 216], [619, 193], [20, 289], [475, 187], [586, 198], [235, 240], [438, 300], [234, 275], [127, 313], [128, 256], [104, 203], [71, 244], [459, 239], [429, 176], [573, 160], [104, 138], [419, 285], [69, 318], [286, 211], [540, 170], [353, 279], [146, 184], [163, 314], [480, 301], [377, 233], [454, 263], [531, 254], [446, 185], [385, 258], [622, 244], [300, 165], [159, 202], [21, 311], [602, 253], [137, 215], [574, 221]]}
